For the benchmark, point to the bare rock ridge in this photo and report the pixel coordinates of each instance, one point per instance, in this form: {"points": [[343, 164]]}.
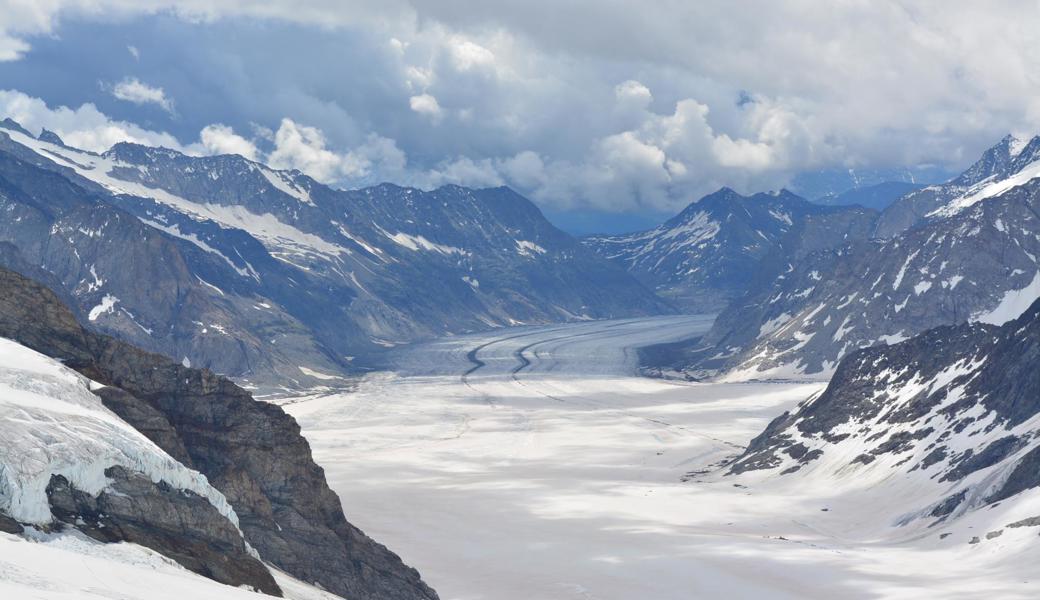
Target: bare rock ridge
{"points": [[968, 253], [949, 410], [277, 280], [706, 255], [176, 523], [250, 451]]}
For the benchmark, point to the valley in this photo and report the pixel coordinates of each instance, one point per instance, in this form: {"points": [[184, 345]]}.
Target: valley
{"points": [[532, 462]]}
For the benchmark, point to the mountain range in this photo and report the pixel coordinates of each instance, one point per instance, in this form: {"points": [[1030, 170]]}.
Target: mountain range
{"points": [[707, 255], [963, 251], [275, 279], [925, 432]]}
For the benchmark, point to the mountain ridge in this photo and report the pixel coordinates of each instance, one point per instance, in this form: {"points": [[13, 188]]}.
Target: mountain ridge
{"points": [[336, 274]]}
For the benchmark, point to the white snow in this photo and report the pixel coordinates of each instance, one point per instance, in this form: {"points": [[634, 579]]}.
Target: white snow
{"points": [[283, 183], [894, 338], [107, 305], [902, 271], [1017, 145], [418, 242], [280, 238], [989, 189], [72, 567], [527, 248], [1013, 304], [564, 482], [50, 423], [781, 216], [318, 374]]}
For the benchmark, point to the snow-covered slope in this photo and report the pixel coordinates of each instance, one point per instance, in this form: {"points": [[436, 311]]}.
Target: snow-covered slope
{"points": [[1010, 163], [250, 451], [707, 254], [52, 424], [924, 433], [306, 275], [979, 263], [71, 567], [67, 461]]}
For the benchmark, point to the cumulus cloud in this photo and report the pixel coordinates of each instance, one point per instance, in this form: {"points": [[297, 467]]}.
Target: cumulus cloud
{"points": [[467, 54], [425, 104], [632, 94], [304, 148], [135, 91], [221, 139], [629, 115], [84, 127]]}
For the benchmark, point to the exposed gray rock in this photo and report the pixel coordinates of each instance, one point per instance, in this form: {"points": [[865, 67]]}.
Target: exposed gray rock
{"points": [[959, 260], [176, 523], [254, 273], [999, 162], [1029, 522], [916, 404], [9, 525], [251, 451], [708, 254], [876, 292]]}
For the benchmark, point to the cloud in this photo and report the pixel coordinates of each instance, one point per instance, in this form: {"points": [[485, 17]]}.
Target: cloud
{"points": [[85, 127], [632, 94], [221, 139], [133, 90], [618, 114], [304, 148], [425, 104], [467, 54]]}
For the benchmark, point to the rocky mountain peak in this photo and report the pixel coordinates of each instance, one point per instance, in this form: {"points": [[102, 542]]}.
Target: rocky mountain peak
{"points": [[50, 137]]}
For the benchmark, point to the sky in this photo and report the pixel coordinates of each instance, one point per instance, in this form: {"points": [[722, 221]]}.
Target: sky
{"points": [[610, 114]]}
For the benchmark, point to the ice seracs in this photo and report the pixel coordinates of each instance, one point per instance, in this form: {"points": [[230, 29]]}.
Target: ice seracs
{"points": [[53, 425]]}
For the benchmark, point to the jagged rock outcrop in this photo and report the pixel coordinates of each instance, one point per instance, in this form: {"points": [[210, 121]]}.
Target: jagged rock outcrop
{"points": [[250, 451], [1008, 158], [815, 233], [176, 523], [975, 262], [950, 414]]}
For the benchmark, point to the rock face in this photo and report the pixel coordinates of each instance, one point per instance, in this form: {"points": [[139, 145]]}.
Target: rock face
{"points": [[1001, 163], [975, 260], [251, 451], [250, 271], [708, 254], [949, 415], [177, 523]]}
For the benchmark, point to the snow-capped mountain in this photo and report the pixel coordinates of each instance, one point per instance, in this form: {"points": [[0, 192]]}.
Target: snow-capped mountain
{"points": [[228, 264], [121, 445], [1012, 162], [975, 263], [923, 432], [707, 255]]}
